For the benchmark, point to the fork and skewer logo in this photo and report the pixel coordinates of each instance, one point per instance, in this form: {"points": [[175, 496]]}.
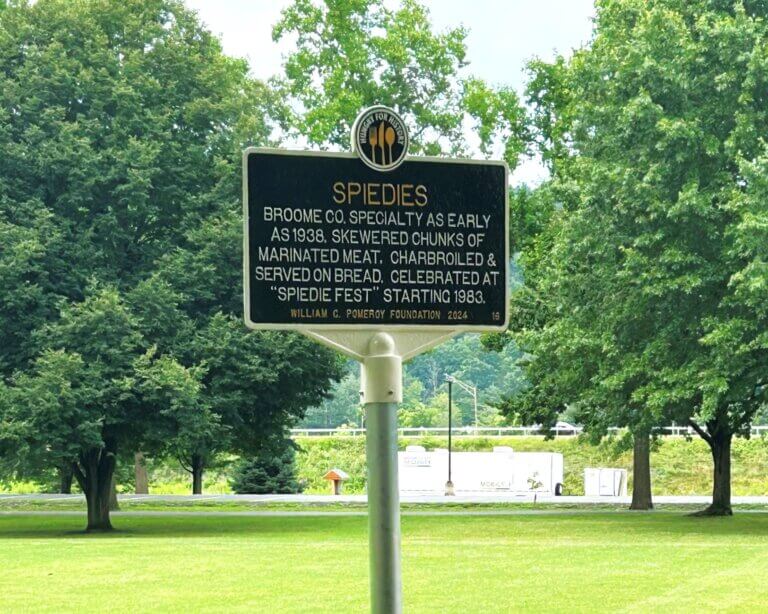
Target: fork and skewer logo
{"points": [[380, 138]]}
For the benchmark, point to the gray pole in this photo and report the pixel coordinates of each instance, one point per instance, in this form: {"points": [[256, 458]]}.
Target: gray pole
{"points": [[450, 424], [449, 490], [382, 390], [383, 508]]}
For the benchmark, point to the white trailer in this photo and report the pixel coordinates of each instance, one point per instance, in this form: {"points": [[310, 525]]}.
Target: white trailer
{"points": [[502, 470]]}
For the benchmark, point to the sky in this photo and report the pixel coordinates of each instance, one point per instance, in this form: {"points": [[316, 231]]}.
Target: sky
{"points": [[503, 36]]}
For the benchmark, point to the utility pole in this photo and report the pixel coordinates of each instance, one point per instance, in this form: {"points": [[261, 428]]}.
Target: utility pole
{"points": [[468, 388], [449, 490]]}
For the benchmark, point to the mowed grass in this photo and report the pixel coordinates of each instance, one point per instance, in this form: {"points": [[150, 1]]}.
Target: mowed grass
{"points": [[539, 562]]}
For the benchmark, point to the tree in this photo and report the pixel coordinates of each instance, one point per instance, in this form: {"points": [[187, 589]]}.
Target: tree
{"points": [[117, 119], [122, 126], [580, 338], [257, 383], [351, 54], [96, 389], [273, 471], [117, 122], [634, 316]]}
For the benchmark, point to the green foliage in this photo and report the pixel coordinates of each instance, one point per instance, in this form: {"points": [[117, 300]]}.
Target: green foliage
{"points": [[424, 390], [254, 383], [121, 126], [342, 407], [631, 312], [121, 129], [495, 374], [97, 385], [260, 382], [122, 116], [271, 472], [414, 412], [351, 54], [206, 272], [23, 278], [530, 212]]}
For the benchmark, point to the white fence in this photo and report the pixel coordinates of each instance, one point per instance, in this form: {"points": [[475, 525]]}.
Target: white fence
{"points": [[494, 431]]}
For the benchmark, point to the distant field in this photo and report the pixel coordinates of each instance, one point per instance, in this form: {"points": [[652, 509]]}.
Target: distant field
{"points": [[678, 466], [586, 562]]}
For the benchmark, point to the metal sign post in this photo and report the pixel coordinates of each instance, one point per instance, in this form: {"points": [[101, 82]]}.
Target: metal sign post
{"points": [[381, 356], [379, 256], [382, 390]]}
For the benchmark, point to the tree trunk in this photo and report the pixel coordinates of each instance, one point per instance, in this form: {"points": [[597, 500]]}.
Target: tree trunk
{"points": [[140, 469], [719, 440], [721, 485], [197, 474], [113, 503], [642, 498], [94, 473], [65, 480]]}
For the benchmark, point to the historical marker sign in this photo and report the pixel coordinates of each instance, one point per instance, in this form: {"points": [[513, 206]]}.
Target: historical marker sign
{"points": [[332, 243], [375, 240]]}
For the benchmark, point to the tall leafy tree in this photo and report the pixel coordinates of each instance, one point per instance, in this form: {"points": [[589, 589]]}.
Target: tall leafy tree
{"points": [[632, 312], [351, 54], [115, 121], [121, 126], [98, 389]]}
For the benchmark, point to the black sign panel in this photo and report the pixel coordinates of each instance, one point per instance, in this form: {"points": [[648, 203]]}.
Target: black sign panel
{"points": [[331, 243]]}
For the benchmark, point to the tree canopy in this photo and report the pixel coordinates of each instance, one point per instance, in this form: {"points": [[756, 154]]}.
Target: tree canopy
{"points": [[115, 120], [351, 54], [631, 310], [120, 142]]}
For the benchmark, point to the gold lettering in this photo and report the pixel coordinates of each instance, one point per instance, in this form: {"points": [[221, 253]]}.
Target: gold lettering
{"points": [[374, 194], [338, 196], [405, 195], [421, 195], [371, 190], [353, 189], [393, 194]]}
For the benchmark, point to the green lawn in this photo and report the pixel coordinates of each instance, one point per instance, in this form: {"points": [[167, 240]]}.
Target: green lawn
{"points": [[581, 562]]}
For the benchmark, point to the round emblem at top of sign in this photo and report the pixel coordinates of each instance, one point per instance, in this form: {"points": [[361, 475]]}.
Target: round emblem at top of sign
{"points": [[380, 138]]}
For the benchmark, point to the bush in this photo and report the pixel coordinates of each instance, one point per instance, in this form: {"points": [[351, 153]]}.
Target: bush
{"points": [[272, 472]]}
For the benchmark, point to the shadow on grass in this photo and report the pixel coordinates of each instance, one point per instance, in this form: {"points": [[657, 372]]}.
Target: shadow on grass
{"points": [[659, 525], [159, 527]]}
